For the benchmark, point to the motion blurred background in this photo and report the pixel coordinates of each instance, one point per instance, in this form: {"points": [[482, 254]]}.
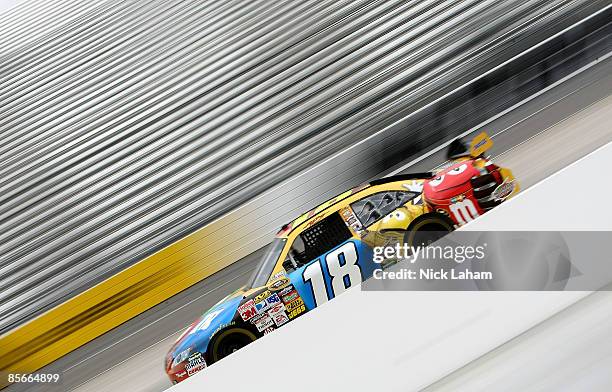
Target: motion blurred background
{"points": [[150, 149], [7, 5]]}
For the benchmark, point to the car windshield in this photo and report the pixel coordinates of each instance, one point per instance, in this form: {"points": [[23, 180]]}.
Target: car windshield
{"points": [[262, 273]]}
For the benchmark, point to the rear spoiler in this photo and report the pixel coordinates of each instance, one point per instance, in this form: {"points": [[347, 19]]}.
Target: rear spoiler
{"points": [[479, 145]]}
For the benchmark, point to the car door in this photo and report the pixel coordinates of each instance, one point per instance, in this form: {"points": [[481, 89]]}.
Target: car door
{"points": [[329, 259]]}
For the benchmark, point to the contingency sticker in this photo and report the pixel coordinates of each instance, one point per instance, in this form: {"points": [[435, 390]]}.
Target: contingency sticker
{"points": [[262, 296], [296, 308], [195, 364], [263, 322], [273, 299], [290, 296], [261, 306], [247, 310], [279, 284], [504, 190], [280, 318], [277, 313]]}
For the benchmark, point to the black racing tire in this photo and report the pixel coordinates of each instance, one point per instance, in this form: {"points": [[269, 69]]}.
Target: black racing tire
{"points": [[427, 229], [228, 341]]}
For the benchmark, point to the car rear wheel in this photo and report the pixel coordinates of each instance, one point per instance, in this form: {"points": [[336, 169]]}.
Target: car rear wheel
{"points": [[229, 341], [427, 229]]}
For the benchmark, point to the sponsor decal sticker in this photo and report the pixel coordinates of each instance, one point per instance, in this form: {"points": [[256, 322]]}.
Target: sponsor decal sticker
{"points": [[286, 290], [266, 303], [268, 330], [290, 297], [351, 220], [297, 311], [277, 312], [314, 220], [295, 304], [262, 296], [280, 319], [278, 308], [261, 306], [221, 326], [247, 310], [195, 364], [263, 322], [503, 190], [279, 284], [273, 299], [296, 308]]}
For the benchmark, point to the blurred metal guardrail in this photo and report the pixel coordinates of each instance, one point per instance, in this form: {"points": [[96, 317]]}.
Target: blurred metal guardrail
{"points": [[149, 121], [28, 21]]}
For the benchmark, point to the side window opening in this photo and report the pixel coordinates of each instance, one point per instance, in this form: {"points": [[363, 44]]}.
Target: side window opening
{"points": [[316, 240], [374, 207]]}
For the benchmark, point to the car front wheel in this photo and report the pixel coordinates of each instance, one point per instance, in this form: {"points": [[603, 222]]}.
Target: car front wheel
{"points": [[229, 341]]}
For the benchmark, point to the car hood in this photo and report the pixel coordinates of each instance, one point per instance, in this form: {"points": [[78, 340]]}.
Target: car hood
{"points": [[197, 336]]}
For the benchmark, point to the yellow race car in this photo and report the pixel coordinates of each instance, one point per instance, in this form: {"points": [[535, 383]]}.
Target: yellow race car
{"points": [[329, 249]]}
